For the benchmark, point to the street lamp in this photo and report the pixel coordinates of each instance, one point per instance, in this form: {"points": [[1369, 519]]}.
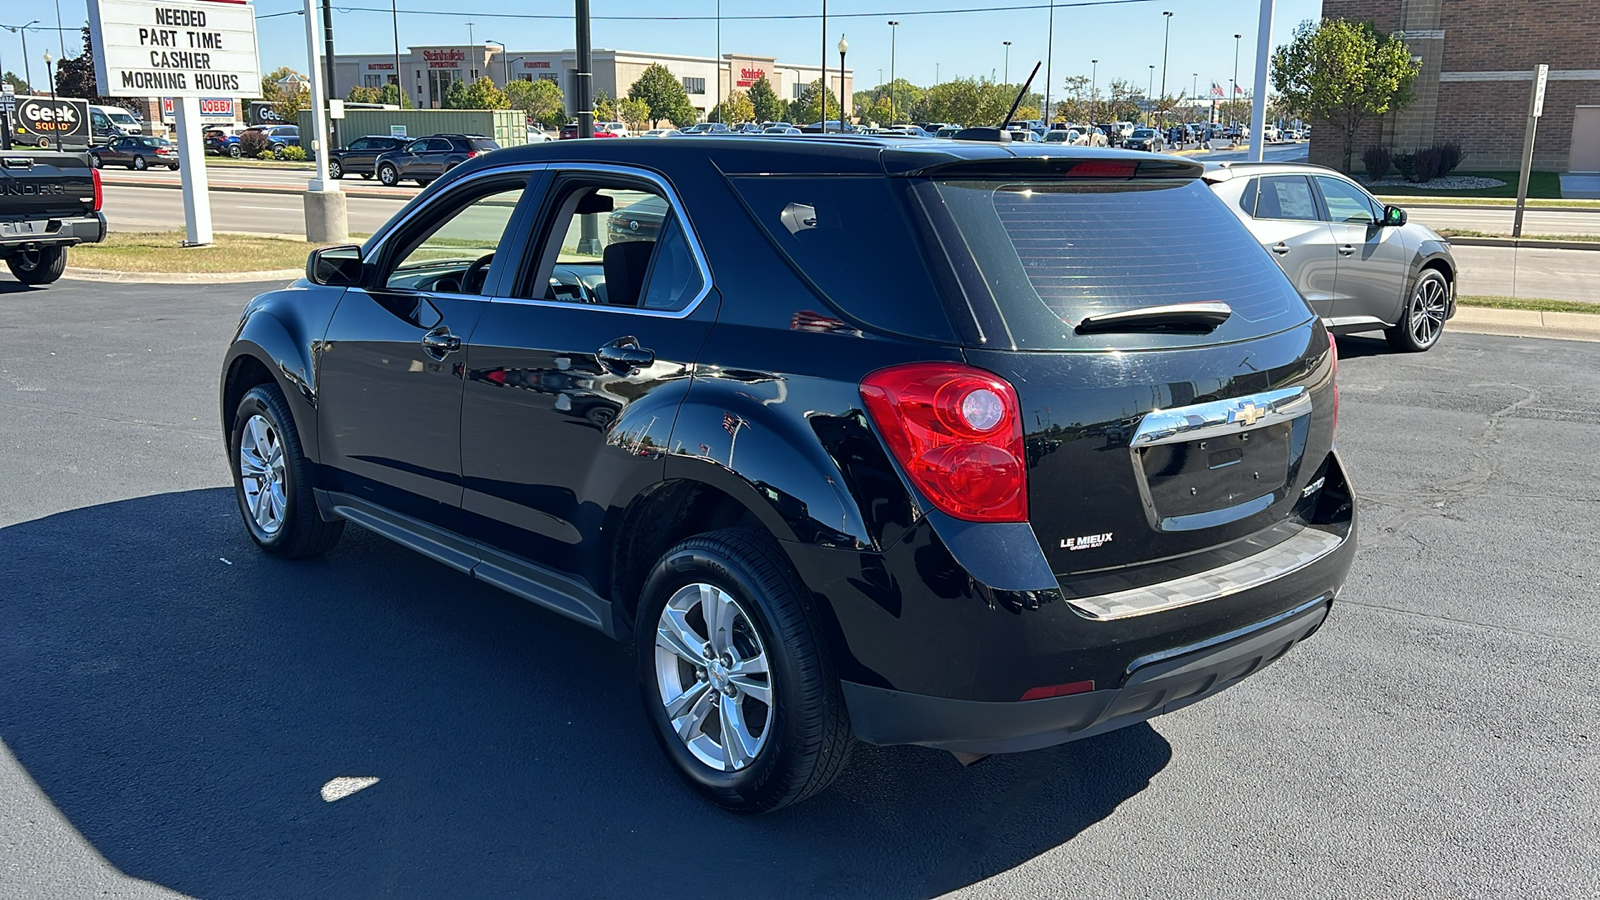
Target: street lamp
{"points": [[1094, 87], [54, 107], [1165, 41], [399, 74], [1233, 86], [1149, 107], [843, 46], [894, 118], [505, 62], [1008, 62], [1049, 60], [27, 68]]}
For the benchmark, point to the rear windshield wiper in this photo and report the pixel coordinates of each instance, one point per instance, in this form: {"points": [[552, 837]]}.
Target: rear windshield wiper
{"points": [[1191, 317]]}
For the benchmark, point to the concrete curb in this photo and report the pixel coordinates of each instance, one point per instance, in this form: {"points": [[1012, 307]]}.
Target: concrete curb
{"points": [[361, 193], [1396, 200], [1526, 323], [1522, 243], [114, 277]]}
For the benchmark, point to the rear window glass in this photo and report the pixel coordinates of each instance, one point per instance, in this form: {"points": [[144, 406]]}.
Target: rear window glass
{"points": [[853, 237], [1053, 253], [483, 144]]}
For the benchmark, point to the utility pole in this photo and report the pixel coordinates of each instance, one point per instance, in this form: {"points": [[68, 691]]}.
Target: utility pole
{"points": [[1049, 56], [894, 117], [721, 113], [1165, 42], [1258, 99], [327, 65], [1094, 88], [1233, 86], [823, 84], [1008, 62], [399, 76]]}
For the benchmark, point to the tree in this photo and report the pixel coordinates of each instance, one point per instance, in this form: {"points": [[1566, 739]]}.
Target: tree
{"points": [[286, 105], [483, 94], [17, 81], [764, 100], [605, 108], [634, 113], [1345, 72], [359, 94], [1126, 101], [807, 107], [455, 96], [737, 108], [75, 75], [391, 94], [664, 94], [539, 100]]}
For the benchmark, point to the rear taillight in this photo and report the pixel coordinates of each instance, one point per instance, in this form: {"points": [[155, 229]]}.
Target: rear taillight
{"points": [[471, 153], [99, 192], [957, 432], [1333, 355]]}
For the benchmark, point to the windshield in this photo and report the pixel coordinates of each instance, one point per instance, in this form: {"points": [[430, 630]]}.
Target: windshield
{"points": [[1143, 132], [1054, 252], [123, 119]]}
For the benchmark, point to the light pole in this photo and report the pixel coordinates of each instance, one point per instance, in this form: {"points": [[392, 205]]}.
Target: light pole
{"points": [[61, 34], [822, 92], [505, 61], [1149, 107], [1233, 86], [54, 108], [399, 75], [27, 67], [894, 118], [721, 113], [1008, 62], [1094, 88], [1049, 56], [843, 46], [1165, 42]]}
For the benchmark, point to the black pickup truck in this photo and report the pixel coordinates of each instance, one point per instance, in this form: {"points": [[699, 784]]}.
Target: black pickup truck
{"points": [[49, 201]]}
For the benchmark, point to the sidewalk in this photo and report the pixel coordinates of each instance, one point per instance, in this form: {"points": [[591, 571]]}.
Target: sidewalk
{"points": [[1528, 272]]}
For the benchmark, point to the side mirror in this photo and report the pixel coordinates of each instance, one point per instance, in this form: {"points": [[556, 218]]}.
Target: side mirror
{"points": [[335, 266], [1394, 216]]}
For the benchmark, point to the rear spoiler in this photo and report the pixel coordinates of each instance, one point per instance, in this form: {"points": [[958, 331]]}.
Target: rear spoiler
{"points": [[1100, 167]]}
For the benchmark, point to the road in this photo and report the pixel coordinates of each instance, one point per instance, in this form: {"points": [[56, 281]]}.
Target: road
{"points": [[161, 209], [174, 700]]}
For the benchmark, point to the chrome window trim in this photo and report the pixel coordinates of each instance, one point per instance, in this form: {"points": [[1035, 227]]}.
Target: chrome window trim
{"points": [[677, 209], [1219, 417]]}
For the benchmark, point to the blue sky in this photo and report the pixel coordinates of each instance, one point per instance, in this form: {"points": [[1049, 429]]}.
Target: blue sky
{"points": [[1126, 37]]}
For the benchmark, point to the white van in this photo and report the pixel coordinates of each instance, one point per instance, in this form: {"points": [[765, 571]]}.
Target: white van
{"points": [[112, 121]]}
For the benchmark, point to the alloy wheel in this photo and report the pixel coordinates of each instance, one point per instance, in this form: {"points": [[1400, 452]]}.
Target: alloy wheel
{"points": [[334, 169], [1427, 313], [262, 472], [712, 676]]}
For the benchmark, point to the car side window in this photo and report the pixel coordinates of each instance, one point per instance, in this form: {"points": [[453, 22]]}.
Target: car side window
{"points": [[454, 255], [362, 144], [614, 245], [1282, 197], [1346, 202]]}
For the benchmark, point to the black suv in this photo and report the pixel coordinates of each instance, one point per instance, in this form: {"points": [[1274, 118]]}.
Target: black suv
{"points": [[426, 158], [980, 447], [361, 157]]}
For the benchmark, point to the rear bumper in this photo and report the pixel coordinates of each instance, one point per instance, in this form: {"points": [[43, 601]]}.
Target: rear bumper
{"points": [[1153, 686], [78, 230]]}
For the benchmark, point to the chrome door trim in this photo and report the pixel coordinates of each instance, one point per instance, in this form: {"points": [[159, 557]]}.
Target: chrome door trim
{"points": [[1220, 417]]}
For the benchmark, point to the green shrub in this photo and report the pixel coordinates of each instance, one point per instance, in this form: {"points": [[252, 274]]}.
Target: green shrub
{"points": [[252, 142], [1406, 165], [1377, 160], [265, 154], [297, 154], [1427, 165]]}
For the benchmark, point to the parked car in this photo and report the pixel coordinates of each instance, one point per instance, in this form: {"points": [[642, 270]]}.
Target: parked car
{"points": [[221, 141], [47, 206], [361, 157], [705, 128], [1025, 135], [136, 152], [1359, 263], [640, 220], [833, 496], [616, 129], [657, 132], [1061, 136], [106, 122], [279, 137], [538, 135], [949, 131], [781, 129], [426, 158], [1147, 139]]}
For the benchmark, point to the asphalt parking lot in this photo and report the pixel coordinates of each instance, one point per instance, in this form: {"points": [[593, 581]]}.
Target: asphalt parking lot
{"points": [[171, 700]]}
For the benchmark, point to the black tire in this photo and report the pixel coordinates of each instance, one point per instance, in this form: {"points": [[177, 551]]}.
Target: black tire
{"points": [[40, 266], [301, 531], [277, 152], [335, 170], [808, 738], [389, 175], [174, 166], [1429, 297], [366, 176], [234, 151], [139, 164], [423, 182]]}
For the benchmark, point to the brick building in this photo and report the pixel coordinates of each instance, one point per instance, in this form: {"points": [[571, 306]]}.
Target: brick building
{"points": [[1477, 61]]}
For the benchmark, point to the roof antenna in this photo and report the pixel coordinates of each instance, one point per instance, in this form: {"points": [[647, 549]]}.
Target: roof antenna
{"points": [[999, 134]]}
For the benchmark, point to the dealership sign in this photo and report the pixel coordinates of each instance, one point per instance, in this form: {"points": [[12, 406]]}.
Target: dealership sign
{"points": [[175, 48]]}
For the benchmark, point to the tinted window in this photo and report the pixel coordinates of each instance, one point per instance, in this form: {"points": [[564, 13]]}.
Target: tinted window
{"points": [[362, 144], [440, 259], [1281, 197], [483, 145], [854, 238], [1346, 202], [674, 275], [1053, 253]]}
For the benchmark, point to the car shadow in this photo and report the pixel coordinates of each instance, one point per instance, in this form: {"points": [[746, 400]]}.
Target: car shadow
{"points": [[182, 698], [8, 285], [1358, 346]]}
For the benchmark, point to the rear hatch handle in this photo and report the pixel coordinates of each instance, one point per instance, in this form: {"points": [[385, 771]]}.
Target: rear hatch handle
{"points": [[1194, 317]]}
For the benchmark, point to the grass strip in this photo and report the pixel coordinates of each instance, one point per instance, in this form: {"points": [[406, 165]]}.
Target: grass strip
{"points": [[1541, 186], [1532, 305], [162, 251], [1470, 233]]}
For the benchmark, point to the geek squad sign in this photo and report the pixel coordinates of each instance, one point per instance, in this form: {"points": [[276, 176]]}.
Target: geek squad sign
{"points": [[175, 48]]}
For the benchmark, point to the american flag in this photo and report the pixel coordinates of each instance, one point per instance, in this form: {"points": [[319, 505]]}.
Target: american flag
{"points": [[1217, 91], [1237, 90], [731, 422]]}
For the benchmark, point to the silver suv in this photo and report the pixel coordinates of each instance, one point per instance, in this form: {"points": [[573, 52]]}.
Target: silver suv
{"points": [[1357, 261]]}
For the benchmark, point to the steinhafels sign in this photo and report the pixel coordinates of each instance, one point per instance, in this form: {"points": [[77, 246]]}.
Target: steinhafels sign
{"points": [[175, 48], [444, 59]]}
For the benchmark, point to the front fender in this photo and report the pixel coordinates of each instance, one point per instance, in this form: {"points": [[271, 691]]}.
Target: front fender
{"points": [[280, 331]]}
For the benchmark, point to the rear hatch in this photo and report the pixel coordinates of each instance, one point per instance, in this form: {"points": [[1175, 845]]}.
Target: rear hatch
{"points": [[1171, 444], [45, 185]]}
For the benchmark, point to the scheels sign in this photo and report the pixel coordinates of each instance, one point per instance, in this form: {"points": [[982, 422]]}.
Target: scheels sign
{"points": [[748, 77]]}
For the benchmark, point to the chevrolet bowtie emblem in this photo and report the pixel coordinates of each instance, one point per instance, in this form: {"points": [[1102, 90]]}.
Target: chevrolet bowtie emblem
{"points": [[1247, 413]]}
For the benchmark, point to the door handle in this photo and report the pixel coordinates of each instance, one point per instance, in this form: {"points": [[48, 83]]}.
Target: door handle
{"points": [[1347, 250], [1280, 248], [439, 342], [625, 355]]}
